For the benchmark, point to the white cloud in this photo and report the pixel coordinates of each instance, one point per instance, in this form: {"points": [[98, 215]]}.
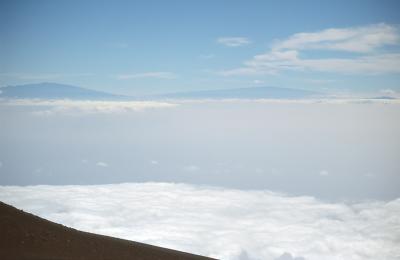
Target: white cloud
{"points": [[84, 107], [43, 76], [289, 54], [275, 61], [102, 164], [246, 72], [221, 223], [233, 41], [155, 74], [320, 81], [154, 162], [353, 39]]}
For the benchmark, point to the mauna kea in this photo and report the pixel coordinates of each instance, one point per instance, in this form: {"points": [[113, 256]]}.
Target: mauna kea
{"points": [[28, 237]]}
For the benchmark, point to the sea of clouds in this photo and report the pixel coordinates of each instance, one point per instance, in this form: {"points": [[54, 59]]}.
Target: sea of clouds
{"points": [[86, 107], [219, 222], [44, 107]]}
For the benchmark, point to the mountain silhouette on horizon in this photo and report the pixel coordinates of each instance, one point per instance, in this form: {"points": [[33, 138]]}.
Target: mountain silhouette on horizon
{"points": [[49, 90]]}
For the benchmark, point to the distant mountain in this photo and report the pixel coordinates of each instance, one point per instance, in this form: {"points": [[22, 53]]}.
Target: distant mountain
{"points": [[242, 93], [55, 91], [61, 91]]}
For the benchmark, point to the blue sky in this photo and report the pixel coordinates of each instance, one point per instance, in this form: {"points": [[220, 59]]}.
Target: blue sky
{"points": [[146, 47]]}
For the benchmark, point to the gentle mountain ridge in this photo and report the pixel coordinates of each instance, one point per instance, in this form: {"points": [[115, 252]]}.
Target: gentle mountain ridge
{"points": [[61, 91], [48, 90]]}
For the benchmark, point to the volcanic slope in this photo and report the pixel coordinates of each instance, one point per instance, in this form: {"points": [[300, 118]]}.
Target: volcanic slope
{"points": [[28, 237]]}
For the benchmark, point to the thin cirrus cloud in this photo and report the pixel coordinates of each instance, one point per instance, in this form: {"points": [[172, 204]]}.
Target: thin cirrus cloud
{"points": [[221, 223], [233, 41], [367, 44], [43, 76], [354, 39], [89, 107], [154, 75]]}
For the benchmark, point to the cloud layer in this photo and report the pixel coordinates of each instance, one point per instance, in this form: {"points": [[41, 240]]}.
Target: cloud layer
{"points": [[365, 44], [222, 223], [87, 107], [82, 107]]}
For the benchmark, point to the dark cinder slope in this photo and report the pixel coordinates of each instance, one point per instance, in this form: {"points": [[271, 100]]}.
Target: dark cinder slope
{"points": [[25, 236], [48, 90]]}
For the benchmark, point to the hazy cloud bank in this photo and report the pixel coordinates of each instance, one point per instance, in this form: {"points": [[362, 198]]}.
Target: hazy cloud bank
{"points": [[49, 107], [223, 223], [42, 107]]}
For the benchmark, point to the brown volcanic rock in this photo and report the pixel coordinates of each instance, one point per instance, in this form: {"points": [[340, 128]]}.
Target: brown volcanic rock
{"points": [[25, 236]]}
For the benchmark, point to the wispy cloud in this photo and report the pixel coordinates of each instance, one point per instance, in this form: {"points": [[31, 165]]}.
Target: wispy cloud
{"points": [[207, 56], [233, 41], [221, 223], [155, 74], [364, 42], [43, 76], [102, 164], [154, 162], [353, 39]]}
